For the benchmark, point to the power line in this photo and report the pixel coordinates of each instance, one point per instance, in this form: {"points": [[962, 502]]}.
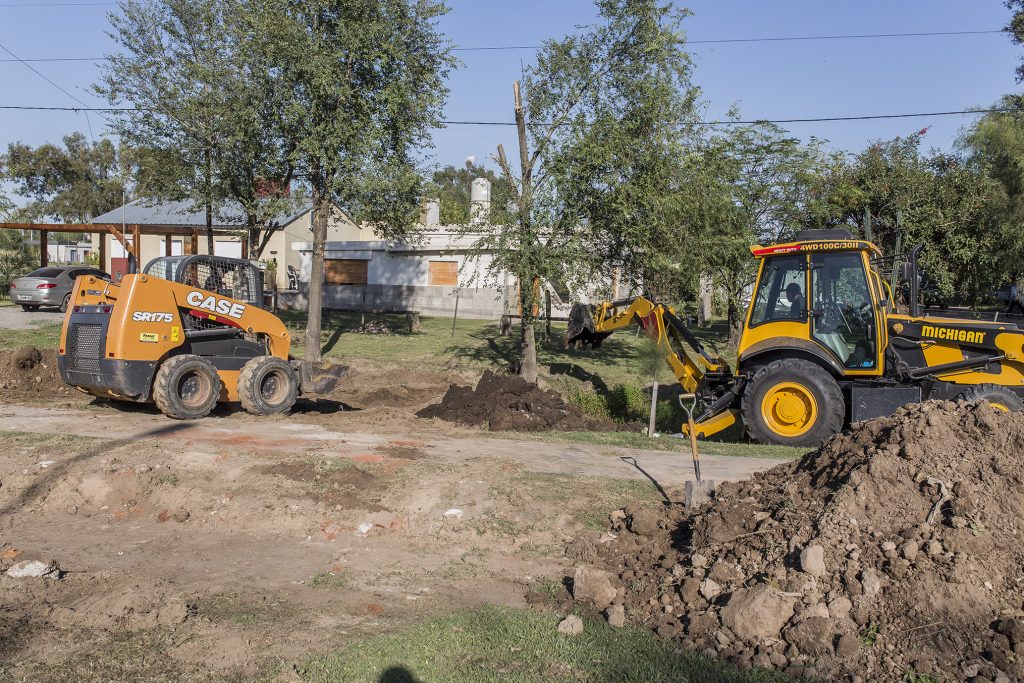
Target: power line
{"points": [[55, 4], [771, 39], [39, 73], [816, 119], [54, 59]]}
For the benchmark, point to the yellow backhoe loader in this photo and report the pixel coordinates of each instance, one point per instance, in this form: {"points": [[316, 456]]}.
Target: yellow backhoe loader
{"points": [[823, 346], [186, 333]]}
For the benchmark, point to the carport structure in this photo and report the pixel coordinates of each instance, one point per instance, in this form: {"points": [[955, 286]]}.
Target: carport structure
{"points": [[128, 235]]}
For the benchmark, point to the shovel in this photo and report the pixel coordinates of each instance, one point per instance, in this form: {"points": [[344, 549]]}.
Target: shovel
{"points": [[697, 492]]}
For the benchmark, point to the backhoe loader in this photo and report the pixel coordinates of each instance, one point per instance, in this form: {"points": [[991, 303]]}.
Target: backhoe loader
{"points": [[186, 333], [823, 346]]}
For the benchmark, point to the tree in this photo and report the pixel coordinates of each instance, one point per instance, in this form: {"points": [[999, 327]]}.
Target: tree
{"points": [[205, 102], [601, 123], [72, 183], [451, 185], [362, 83], [16, 257], [749, 184], [949, 202], [1016, 29]]}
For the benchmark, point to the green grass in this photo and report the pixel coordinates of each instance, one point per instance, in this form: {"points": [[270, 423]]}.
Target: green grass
{"points": [[492, 644], [43, 336]]}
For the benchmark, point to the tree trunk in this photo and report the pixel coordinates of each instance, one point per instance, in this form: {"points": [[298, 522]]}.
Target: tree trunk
{"points": [[209, 205], [321, 206], [527, 350], [412, 319], [735, 323]]}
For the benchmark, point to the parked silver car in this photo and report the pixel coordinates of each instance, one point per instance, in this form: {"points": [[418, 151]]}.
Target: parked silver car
{"points": [[50, 286]]}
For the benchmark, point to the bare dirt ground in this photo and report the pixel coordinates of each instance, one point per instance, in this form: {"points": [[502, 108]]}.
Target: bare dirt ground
{"points": [[239, 546]]}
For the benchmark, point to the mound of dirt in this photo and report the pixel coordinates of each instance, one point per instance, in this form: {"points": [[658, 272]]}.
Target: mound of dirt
{"points": [[509, 403], [893, 551], [30, 369]]}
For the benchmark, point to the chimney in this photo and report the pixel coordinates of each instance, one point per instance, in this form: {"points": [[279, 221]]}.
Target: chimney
{"points": [[430, 215], [480, 201]]}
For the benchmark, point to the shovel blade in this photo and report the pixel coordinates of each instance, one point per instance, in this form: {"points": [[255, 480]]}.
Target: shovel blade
{"points": [[581, 330], [321, 378]]}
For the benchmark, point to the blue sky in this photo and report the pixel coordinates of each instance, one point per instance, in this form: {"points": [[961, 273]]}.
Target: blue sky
{"points": [[766, 80]]}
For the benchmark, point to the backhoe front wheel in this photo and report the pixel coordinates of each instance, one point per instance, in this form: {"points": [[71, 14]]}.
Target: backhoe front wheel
{"points": [[267, 386], [187, 387], [792, 402], [998, 397]]}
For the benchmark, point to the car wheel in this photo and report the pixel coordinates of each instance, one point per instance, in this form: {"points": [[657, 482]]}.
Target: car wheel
{"points": [[64, 304]]}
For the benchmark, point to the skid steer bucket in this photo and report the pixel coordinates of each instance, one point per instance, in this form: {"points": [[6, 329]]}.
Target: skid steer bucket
{"points": [[320, 378], [581, 331]]}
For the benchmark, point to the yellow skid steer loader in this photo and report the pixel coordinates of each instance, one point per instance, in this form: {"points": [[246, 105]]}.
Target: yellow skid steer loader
{"points": [[186, 333], [822, 346]]}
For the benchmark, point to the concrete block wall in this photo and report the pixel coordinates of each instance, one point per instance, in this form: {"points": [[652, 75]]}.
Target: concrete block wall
{"points": [[475, 302]]}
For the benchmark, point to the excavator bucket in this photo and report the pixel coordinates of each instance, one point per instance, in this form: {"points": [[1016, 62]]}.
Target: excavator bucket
{"points": [[581, 331], [320, 378]]}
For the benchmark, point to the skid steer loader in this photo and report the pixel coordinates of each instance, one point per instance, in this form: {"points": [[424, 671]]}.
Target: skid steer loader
{"points": [[186, 333], [823, 346]]}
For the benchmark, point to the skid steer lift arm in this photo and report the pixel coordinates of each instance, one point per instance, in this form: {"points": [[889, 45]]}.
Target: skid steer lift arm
{"points": [[708, 377]]}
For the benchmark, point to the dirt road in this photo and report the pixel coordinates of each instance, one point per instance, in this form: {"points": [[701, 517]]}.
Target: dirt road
{"points": [[14, 318], [281, 435]]}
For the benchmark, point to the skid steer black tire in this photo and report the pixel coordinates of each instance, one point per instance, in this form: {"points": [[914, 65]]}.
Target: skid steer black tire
{"points": [[267, 385], [998, 397], [779, 391], [187, 387]]}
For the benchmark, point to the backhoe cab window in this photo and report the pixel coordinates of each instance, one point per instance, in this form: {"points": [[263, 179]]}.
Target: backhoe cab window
{"points": [[780, 293], [844, 319]]}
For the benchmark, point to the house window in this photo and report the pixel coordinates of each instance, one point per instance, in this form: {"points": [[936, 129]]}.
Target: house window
{"points": [[345, 271], [444, 273]]}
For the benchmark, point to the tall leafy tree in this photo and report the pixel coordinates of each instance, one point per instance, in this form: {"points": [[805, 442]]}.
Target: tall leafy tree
{"points": [[202, 98], [72, 182], [603, 118], [363, 85]]}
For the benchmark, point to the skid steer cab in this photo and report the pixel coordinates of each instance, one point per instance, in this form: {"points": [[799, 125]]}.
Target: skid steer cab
{"points": [[823, 346], [186, 333]]}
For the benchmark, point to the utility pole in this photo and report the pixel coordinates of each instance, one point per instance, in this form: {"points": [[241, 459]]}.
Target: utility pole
{"points": [[527, 340]]}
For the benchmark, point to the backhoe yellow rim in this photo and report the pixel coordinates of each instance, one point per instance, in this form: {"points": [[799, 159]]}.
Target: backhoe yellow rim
{"points": [[789, 409], [1002, 407]]}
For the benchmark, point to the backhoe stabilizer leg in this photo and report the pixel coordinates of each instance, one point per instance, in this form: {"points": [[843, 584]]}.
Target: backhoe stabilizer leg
{"points": [[714, 424]]}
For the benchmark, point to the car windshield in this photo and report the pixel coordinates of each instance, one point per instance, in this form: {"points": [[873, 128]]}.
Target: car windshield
{"points": [[46, 272]]}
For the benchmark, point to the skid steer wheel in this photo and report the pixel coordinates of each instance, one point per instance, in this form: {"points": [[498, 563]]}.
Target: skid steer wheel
{"points": [[998, 397], [792, 402], [267, 385], [187, 387]]}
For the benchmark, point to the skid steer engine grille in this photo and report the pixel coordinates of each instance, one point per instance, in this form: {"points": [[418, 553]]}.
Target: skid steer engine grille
{"points": [[84, 350]]}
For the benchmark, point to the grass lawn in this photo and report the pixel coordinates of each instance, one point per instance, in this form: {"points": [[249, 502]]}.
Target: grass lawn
{"points": [[493, 644], [45, 335]]}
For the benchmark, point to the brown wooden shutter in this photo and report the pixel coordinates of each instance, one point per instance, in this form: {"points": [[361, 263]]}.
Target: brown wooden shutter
{"points": [[345, 271], [444, 273]]}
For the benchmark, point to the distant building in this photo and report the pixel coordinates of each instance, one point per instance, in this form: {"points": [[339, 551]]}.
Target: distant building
{"points": [[296, 226]]}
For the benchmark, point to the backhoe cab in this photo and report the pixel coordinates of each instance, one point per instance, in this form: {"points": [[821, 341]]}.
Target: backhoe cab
{"points": [[822, 346], [186, 333]]}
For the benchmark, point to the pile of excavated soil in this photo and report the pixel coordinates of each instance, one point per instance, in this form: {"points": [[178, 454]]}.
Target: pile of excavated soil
{"points": [[509, 403], [30, 369], [896, 550]]}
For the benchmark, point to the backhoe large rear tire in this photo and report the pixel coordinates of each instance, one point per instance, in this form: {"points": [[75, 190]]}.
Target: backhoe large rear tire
{"points": [[267, 385], [792, 402], [998, 397], [187, 387]]}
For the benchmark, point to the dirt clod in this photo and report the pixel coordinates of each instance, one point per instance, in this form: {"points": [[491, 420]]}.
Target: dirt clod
{"points": [[894, 548], [508, 403], [572, 625]]}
